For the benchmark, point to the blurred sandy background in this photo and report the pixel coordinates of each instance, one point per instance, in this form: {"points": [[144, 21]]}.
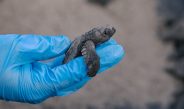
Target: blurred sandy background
{"points": [[139, 80]]}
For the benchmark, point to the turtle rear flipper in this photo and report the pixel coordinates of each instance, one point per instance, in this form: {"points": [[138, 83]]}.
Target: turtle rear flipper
{"points": [[91, 58]]}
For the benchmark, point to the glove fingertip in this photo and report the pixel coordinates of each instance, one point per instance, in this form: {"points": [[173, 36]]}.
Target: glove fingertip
{"points": [[112, 41], [119, 54], [110, 56]]}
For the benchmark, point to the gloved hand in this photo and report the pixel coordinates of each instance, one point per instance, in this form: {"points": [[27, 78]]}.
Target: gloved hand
{"points": [[24, 77]]}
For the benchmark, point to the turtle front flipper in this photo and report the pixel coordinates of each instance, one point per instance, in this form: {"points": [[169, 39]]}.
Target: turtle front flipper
{"points": [[73, 51], [91, 58]]}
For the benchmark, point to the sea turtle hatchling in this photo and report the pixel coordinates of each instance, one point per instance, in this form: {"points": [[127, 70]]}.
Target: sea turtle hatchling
{"points": [[85, 45]]}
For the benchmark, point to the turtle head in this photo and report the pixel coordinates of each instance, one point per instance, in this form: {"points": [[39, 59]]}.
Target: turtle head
{"points": [[104, 33], [109, 31]]}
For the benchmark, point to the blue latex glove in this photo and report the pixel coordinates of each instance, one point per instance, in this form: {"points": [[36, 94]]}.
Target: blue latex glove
{"points": [[25, 78]]}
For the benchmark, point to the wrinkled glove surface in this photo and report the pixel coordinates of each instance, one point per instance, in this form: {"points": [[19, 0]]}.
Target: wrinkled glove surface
{"points": [[25, 77]]}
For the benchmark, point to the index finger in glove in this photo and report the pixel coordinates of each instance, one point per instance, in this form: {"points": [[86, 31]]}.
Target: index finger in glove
{"points": [[39, 47]]}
